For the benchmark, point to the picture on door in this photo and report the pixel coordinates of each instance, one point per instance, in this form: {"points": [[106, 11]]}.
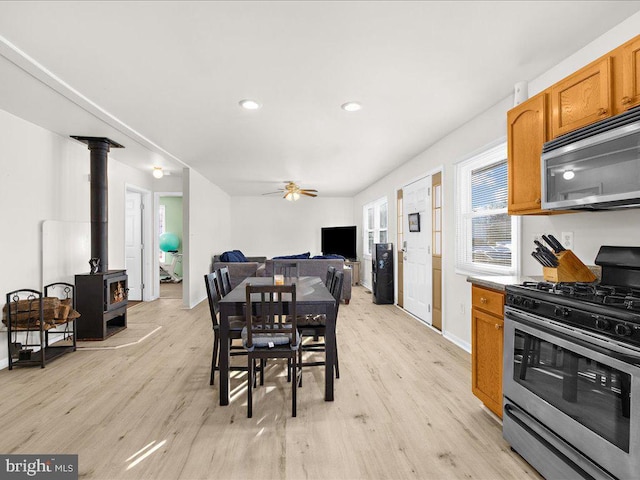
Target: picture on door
{"points": [[414, 222]]}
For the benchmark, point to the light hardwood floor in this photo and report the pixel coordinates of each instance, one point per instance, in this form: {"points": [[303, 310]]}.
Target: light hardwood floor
{"points": [[403, 408]]}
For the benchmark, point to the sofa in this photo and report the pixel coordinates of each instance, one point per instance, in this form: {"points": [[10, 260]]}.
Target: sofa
{"points": [[315, 267], [238, 271]]}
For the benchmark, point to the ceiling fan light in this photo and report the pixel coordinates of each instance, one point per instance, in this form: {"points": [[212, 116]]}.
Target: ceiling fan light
{"points": [[289, 196], [295, 196]]}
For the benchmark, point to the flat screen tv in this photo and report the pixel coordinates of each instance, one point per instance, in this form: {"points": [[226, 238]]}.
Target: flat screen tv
{"points": [[339, 241]]}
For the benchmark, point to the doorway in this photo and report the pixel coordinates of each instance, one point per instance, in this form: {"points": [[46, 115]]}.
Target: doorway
{"points": [[170, 222]]}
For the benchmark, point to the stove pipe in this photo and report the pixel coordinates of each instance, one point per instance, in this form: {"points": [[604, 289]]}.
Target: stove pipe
{"points": [[99, 147]]}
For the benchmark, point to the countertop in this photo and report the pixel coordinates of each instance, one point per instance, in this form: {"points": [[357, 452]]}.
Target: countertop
{"points": [[498, 282]]}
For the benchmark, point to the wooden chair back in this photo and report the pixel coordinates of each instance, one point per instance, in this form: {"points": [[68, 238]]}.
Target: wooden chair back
{"points": [[286, 268], [213, 295], [272, 309], [331, 273], [224, 280]]}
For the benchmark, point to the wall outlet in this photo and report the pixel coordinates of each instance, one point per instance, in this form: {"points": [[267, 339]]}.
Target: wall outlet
{"points": [[462, 309], [566, 239]]}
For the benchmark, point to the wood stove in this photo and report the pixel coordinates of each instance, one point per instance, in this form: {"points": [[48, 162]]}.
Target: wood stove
{"points": [[102, 302], [102, 293]]}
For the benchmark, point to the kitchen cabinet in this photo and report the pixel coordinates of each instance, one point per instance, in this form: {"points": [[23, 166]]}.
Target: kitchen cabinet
{"points": [[526, 132], [628, 56], [487, 322], [582, 98]]}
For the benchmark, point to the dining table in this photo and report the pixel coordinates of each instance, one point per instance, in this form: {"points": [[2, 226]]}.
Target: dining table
{"points": [[312, 297]]}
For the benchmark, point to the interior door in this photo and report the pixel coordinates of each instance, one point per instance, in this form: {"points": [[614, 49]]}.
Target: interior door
{"points": [[417, 262], [133, 243]]}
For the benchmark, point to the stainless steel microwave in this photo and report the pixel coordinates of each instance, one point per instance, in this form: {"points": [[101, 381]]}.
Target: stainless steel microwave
{"points": [[594, 168]]}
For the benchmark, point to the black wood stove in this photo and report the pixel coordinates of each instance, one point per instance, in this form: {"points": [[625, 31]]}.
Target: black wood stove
{"points": [[102, 293]]}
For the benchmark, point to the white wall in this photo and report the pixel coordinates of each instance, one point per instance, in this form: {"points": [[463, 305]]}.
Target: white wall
{"points": [[590, 229], [44, 176], [272, 226], [207, 228]]}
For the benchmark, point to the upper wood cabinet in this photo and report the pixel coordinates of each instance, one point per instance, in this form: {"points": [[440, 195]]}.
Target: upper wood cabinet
{"points": [[582, 98], [526, 132], [629, 57]]}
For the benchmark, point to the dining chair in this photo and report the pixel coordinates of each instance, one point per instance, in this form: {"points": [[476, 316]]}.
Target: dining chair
{"points": [[270, 333], [331, 273], [224, 277], [286, 268], [236, 324], [315, 326]]}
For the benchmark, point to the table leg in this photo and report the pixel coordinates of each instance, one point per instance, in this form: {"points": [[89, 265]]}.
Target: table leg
{"points": [[330, 352], [224, 358]]}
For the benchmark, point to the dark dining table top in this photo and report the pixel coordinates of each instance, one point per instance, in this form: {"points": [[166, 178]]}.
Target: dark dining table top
{"points": [[308, 290]]}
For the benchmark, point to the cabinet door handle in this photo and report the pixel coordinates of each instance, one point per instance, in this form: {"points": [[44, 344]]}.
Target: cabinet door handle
{"points": [[483, 300], [498, 326], [626, 100], [538, 201], [602, 111]]}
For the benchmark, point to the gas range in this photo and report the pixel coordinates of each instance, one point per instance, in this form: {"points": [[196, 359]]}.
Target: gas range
{"points": [[610, 308]]}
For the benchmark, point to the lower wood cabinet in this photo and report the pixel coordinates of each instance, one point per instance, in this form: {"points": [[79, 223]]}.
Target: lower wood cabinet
{"points": [[487, 322]]}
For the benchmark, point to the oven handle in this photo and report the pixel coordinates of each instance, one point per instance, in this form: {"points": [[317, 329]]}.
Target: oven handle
{"points": [[623, 353]]}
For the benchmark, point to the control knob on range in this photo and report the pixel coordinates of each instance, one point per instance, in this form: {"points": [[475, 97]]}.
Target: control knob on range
{"points": [[561, 312], [623, 330], [517, 300], [602, 323], [528, 303]]}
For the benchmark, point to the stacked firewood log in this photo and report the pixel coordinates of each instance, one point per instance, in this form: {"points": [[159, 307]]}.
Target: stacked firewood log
{"points": [[25, 314]]}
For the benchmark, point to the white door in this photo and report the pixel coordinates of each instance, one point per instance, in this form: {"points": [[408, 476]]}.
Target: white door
{"points": [[417, 248], [133, 243]]}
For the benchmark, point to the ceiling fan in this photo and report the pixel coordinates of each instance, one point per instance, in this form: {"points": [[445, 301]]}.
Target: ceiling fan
{"points": [[292, 191]]}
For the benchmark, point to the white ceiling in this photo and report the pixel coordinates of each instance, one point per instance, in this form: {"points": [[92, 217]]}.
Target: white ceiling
{"points": [[166, 78]]}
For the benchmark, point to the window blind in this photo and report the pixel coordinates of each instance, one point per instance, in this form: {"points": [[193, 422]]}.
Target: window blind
{"points": [[486, 235]]}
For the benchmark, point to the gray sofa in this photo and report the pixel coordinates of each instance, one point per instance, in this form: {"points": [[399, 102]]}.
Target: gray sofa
{"points": [[241, 270], [317, 268]]}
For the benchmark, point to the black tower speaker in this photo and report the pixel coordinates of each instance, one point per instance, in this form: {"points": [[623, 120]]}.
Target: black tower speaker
{"points": [[382, 271]]}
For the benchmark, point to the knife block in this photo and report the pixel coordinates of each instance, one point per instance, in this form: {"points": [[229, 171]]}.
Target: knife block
{"points": [[569, 269]]}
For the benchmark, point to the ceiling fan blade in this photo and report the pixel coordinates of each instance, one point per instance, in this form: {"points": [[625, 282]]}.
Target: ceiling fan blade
{"points": [[272, 193], [308, 190], [305, 192]]}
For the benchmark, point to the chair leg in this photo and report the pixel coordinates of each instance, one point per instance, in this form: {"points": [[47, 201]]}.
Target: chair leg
{"points": [[294, 385], [337, 362], [250, 380], [262, 364], [214, 356]]}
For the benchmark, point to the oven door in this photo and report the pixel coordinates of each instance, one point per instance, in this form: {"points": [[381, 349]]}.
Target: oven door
{"points": [[578, 385]]}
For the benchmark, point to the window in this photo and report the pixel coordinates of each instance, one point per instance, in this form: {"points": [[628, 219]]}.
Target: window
{"points": [[375, 224], [486, 236]]}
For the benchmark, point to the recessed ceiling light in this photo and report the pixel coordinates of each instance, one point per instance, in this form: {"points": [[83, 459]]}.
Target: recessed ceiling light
{"points": [[568, 174], [351, 106], [248, 104], [158, 172]]}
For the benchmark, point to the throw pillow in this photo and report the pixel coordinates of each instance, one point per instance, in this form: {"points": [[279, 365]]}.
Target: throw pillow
{"points": [[331, 256], [299, 256], [232, 257]]}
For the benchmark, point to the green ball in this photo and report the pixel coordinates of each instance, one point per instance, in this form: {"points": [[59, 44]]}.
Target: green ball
{"points": [[169, 242]]}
